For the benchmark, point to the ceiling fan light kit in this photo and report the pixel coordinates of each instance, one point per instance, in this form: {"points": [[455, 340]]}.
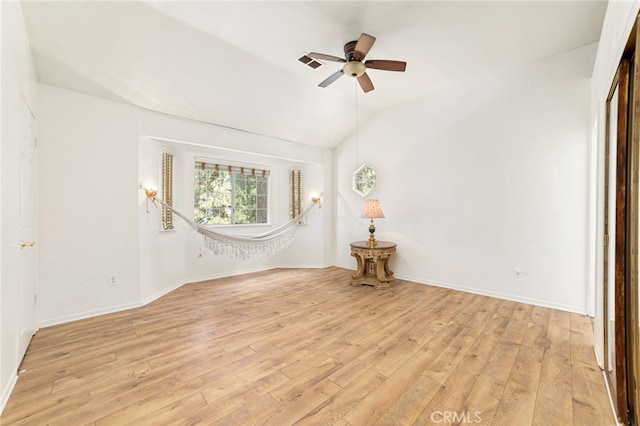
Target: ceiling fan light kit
{"points": [[354, 53], [354, 68]]}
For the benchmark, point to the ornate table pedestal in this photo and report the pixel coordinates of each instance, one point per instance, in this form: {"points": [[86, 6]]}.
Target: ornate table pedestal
{"points": [[373, 263]]}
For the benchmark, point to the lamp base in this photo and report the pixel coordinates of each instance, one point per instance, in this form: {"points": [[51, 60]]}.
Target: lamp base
{"points": [[372, 231]]}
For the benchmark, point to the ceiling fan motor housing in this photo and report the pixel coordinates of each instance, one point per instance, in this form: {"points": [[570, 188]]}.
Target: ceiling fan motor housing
{"points": [[350, 52]]}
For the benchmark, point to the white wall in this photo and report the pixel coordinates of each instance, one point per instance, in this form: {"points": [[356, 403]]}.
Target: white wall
{"points": [[17, 79], [618, 22], [94, 153], [87, 195], [162, 266], [481, 179]]}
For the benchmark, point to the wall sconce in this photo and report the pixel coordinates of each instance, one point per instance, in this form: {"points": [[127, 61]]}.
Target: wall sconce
{"points": [[151, 194], [372, 210]]}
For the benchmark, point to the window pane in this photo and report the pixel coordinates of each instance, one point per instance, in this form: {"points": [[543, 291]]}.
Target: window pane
{"points": [[223, 197], [262, 216], [261, 202], [262, 185], [246, 199], [212, 197]]}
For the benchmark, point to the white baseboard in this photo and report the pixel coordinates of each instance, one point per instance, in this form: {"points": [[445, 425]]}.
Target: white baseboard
{"points": [[610, 395], [504, 296], [88, 314], [146, 300], [155, 296], [297, 266], [6, 392], [489, 293], [169, 289], [217, 276]]}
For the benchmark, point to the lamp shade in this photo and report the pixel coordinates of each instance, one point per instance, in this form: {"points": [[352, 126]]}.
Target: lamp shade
{"points": [[372, 209]]}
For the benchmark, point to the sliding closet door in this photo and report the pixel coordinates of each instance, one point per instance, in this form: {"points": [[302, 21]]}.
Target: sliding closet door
{"points": [[622, 233], [616, 259], [610, 239], [633, 295]]}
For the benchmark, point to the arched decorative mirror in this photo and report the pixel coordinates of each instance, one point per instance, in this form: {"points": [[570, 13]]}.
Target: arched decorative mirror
{"points": [[364, 180]]}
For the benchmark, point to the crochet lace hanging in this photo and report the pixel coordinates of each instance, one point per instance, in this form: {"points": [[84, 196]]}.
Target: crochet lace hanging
{"points": [[244, 246]]}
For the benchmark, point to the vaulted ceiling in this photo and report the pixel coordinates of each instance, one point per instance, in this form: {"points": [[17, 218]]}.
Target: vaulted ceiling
{"points": [[235, 63]]}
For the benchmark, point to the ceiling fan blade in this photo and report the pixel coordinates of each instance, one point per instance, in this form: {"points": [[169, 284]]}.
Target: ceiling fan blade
{"points": [[365, 83], [324, 57], [333, 77], [383, 64], [364, 44]]}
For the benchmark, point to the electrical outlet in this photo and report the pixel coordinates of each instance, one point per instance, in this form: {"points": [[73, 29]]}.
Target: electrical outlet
{"points": [[112, 280], [518, 272]]}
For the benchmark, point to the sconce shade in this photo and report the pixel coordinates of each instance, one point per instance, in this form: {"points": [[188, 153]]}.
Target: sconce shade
{"points": [[372, 209]]}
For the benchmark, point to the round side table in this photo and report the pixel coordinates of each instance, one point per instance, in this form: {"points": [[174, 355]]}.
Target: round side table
{"points": [[373, 263]]}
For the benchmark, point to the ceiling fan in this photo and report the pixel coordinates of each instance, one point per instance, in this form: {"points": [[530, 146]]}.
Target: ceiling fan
{"points": [[354, 53]]}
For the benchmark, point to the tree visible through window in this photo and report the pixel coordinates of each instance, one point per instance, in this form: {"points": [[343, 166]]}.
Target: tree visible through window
{"points": [[230, 195]]}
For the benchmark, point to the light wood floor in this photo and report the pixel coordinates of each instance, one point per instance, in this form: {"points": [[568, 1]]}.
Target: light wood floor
{"points": [[302, 346]]}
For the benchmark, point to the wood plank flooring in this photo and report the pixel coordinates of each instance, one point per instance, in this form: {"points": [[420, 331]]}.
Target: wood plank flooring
{"points": [[302, 346]]}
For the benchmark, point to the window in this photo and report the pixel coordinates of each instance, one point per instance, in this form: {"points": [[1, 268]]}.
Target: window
{"points": [[230, 195], [364, 180], [296, 193], [167, 190]]}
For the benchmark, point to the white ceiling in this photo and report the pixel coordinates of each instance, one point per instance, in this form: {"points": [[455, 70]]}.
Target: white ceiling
{"points": [[234, 63]]}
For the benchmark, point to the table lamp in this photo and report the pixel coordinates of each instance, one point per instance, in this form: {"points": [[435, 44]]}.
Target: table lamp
{"points": [[372, 210]]}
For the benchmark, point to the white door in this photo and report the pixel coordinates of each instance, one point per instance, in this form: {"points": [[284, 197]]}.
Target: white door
{"points": [[27, 221]]}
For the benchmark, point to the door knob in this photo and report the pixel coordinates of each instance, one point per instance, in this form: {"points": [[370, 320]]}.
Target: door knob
{"points": [[24, 244]]}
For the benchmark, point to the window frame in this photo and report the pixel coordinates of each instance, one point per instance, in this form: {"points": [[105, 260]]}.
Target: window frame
{"points": [[235, 169]]}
